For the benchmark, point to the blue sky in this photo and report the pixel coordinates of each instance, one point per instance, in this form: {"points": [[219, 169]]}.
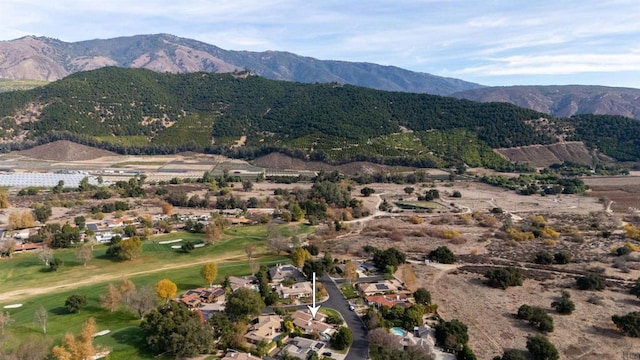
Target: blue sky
{"points": [[492, 42]]}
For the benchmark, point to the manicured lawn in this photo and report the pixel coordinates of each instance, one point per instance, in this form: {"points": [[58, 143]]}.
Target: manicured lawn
{"points": [[125, 338], [349, 291], [157, 262], [26, 271]]}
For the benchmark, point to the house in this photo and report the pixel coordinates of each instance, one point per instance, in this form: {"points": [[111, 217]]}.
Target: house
{"points": [[295, 291], [304, 320], [266, 329], [239, 221], [249, 282], [388, 300], [378, 288], [194, 298], [236, 355], [279, 273], [301, 348]]}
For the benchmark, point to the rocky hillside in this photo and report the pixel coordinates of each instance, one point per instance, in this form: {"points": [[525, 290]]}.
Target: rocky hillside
{"points": [[563, 101], [39, 58]]}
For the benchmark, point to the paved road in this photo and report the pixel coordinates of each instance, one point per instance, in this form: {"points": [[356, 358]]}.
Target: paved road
{"points": [[360, 348]]}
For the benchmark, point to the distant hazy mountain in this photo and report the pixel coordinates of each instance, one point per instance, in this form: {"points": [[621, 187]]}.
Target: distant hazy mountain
{"points": [[40, 58], [563, 101]]}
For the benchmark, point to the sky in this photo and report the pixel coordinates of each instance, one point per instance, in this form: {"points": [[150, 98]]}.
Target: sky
{"points": [[491, 42]]}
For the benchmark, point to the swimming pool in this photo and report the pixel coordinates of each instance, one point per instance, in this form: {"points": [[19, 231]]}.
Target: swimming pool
{"points": [[398, 331]]}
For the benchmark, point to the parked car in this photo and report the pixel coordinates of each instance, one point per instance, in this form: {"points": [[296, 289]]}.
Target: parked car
{"points": [[352, 308]]}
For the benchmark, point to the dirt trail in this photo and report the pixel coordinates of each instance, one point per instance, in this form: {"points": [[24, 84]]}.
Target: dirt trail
{"points": [[26, 293]]}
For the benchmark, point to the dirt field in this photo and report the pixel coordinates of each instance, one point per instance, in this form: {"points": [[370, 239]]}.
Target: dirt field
{"points": [[624, 191], [587, 334]]}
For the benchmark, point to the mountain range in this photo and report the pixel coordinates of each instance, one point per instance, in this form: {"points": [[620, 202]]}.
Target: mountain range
{"points": [[47, 59]]}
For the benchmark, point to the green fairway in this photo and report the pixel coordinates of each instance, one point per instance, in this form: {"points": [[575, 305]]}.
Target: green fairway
{"points": [[26, 271], [159, 261]]}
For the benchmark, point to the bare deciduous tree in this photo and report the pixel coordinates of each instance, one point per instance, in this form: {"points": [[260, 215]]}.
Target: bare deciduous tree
{"points": [[45, 254], [41, 317], [84, 254], [5, 320]]}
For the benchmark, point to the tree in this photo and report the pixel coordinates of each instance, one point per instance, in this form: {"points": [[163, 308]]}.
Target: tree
{"points": [[409, 190], [5, 320], [562, 258], [40, 317], [541, 348], [299, 256], [45, 254], [212, 232], [504, 277], [4, 200], [311, 266], [512, 354], [167, 209], [33, 347], [130, 248], [442, 255], [466, 353], [80, 221], [166, 289], [139, 301], [247, 185], [42, 212], [564, 305], [84, 254], [112, 299], [209, 272], [367, 191], [243, 303], [543, 258], [629, 324], [80, 348], [173, 328], [635, 289], [249, 249], [130, 230], [7, 247], [591, 281], [75, 302], [389, 257], [422, 296], [350, 271], [452, 335], [20, 220], [342, 339]]}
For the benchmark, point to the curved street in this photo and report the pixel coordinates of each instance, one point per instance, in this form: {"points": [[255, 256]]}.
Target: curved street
{"points": [[360, 348]]}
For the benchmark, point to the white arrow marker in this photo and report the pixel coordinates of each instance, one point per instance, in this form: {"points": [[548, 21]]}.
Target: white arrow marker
{"points": [[313, 308]]}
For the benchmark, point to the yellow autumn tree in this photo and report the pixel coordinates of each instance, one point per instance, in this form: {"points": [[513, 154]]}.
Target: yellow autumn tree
{"points": [[209, 272], [80, 348], [350, 271], [4, 200], [166, 289], [299, 256]]}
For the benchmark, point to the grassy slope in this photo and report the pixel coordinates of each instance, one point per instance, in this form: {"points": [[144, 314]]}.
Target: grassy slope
{"points": [[125, 339]]}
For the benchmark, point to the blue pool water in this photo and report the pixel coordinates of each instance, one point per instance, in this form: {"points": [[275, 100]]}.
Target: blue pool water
{"points": [[398, 331]]}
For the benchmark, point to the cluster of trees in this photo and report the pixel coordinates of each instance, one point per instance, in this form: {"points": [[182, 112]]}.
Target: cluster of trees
{"points": [[110, 207], [387, 260], [504, 277], [453, 336], [536, 316], [442, 255], [126, 295], [544, 258], [125, 249]]}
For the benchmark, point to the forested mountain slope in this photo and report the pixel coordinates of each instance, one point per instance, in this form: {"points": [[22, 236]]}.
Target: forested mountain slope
{"points": [[141, 111]]}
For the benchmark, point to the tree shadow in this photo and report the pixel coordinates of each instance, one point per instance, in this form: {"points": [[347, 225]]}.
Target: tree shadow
{"points": [[607, 332], [60, 310]]}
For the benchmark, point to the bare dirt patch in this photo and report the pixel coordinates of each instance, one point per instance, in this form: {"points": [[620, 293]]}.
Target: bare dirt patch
{"points": [[65, 151], [588, 333], [624, 191], [545, 155]]}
